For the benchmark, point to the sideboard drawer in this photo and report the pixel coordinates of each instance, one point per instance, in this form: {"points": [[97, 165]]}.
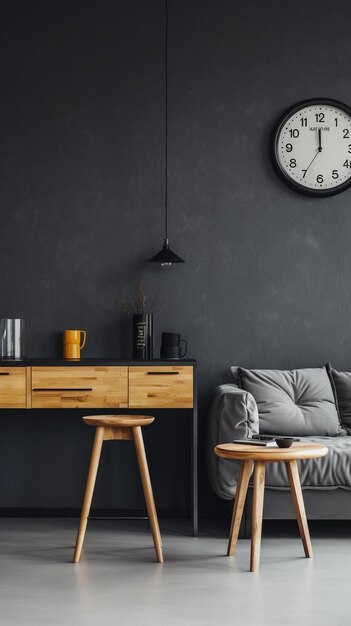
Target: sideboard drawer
{"points": [[13, 388], [164, 387], [73, 387]]}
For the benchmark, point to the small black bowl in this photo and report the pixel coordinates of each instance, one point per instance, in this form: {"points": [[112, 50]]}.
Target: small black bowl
{"points": [[284, 442]]}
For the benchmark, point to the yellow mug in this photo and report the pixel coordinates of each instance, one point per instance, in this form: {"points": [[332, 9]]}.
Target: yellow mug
{"points": [[73, 343]]}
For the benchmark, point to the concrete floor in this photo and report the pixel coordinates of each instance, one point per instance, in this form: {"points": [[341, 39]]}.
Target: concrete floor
{"points": [[118, 581]]}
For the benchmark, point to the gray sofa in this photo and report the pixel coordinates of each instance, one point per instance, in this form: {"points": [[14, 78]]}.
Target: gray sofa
{"points": [[313, 404]]}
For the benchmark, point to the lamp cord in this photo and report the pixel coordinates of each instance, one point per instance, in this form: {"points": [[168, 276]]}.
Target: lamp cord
{"points": [[166, 119]]}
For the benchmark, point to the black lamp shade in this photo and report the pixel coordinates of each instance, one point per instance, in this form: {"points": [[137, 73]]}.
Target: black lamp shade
{"points": [[166, 256]]}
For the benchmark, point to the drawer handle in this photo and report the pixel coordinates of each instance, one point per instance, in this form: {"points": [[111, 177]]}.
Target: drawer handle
{"points": [[163, 373], [63, 389], [4, 373]]}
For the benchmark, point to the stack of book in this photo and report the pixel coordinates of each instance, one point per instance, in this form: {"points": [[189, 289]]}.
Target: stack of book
{"points": [[267, 441]]}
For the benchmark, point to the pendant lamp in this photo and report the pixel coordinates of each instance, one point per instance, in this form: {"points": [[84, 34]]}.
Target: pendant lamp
{"points": [[166, 256]]}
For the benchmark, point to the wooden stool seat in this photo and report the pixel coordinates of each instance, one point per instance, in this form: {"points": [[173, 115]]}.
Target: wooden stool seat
{"points": [[119, 427], [118, 420]]}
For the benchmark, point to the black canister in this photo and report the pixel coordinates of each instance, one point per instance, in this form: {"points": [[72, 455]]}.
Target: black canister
{"points": [[143, 336]]}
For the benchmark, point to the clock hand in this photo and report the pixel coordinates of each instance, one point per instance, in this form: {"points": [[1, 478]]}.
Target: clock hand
{"points": [[319, 149], [319, 140], [305, 171]]}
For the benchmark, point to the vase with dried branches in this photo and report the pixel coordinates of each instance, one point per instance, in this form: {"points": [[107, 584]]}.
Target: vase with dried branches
{"points": [[142, 308]]}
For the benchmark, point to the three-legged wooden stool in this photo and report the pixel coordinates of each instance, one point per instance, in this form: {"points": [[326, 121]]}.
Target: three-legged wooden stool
{"points": [[119, 427]]}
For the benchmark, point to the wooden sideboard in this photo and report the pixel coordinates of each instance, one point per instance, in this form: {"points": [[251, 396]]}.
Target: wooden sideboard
{"points": [[105, 384]]}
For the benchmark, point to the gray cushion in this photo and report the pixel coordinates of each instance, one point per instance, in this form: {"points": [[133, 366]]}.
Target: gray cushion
{"points": [[292, 402], [342, 384], [329, 472], [233, 415]]}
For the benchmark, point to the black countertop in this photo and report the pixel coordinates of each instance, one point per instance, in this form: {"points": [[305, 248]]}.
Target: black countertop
{"points": [[93, 361]]}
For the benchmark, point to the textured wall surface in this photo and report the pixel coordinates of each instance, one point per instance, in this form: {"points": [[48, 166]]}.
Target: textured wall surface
{"points": [[266, 278]]}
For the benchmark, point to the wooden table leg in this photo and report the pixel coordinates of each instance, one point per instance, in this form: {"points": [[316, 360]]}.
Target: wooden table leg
{"points": [[257, 511], [296, 492], [239, 503]]}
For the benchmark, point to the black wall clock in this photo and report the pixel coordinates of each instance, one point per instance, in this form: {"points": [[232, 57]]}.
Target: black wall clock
{"points": [[311, 147]]}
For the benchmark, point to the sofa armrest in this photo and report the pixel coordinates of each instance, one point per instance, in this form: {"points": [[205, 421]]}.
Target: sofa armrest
{"points": [[233, 415]]}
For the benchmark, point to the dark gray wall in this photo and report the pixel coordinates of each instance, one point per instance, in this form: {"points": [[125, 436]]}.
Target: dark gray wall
{"points": [[266, 278]]}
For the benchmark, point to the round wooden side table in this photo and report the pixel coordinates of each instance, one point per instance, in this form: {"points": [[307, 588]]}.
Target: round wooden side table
{"points": [[258, 456]]}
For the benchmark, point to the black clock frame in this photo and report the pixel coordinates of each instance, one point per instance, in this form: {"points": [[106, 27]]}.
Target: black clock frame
{"points": [[274, 140]]}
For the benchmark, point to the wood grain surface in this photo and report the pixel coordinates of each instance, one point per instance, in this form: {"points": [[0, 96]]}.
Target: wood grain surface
{"points": [[161, 387], [75, 387], [297, 451], [13, 388]]}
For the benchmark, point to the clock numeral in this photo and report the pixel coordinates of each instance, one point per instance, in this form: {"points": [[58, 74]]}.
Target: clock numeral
{"points": [[294, 132], [336, 121], [304, 173], [335, 174], [304, 121], [347, 163], [292, 163], [319, 178], [349, 150], [289, 147], [346, 134], [320, 117]]}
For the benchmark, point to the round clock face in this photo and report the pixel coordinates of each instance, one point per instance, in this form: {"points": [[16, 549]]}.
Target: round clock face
{"points": [[311, 147]]}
